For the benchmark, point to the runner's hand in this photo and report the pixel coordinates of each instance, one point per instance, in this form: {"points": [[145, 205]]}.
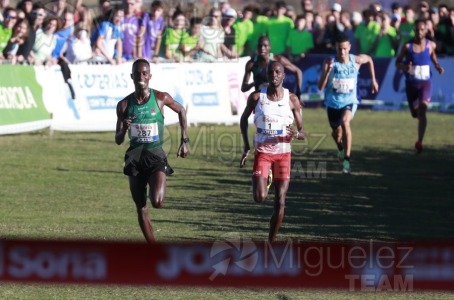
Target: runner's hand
{"points": [[183, 150], [243, 158]]}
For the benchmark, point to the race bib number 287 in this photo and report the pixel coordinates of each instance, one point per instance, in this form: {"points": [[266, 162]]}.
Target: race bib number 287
{"points": [[145, 133]]}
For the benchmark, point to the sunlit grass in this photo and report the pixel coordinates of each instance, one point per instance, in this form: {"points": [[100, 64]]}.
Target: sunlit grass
{"points": [[71, 185]]}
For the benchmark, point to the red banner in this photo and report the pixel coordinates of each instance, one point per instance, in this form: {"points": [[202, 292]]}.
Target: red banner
{"points": [[240, 262]]}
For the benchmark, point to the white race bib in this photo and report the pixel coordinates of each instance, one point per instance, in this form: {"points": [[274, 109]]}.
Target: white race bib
{"points": [[145, 133], [420, 72], [343, 85], [269, 128]]}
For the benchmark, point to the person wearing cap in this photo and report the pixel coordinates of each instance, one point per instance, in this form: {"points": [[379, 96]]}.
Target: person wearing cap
{"points": [[336, 11], [228, 48], [336, 8], [356, 19]]}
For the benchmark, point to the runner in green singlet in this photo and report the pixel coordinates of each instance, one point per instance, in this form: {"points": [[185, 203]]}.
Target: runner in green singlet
{"points": [[141, 116], [257, 67]]}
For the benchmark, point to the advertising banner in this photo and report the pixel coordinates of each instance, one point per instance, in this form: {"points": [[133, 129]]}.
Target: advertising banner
{"points": [[311, 66], [234, 262], [206, 89], [98, 88], [33, 98], [21, 100], [392, 90], [210, 93], [391, 95]]}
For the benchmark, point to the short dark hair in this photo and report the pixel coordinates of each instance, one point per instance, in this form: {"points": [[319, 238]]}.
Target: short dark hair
{"points": [[140, 60], [300, 16], [273, 62], [264, 37], [156, 4], [7, 10], [395, 5], [49, 19], [38, 5], [280, 4], [194, 21], [342, 38], [420, 20]]}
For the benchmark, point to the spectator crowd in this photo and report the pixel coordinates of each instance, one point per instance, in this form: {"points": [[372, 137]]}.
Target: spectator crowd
{"points": [[60, 33]]}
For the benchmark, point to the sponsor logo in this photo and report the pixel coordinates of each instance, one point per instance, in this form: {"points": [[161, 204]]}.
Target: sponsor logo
{"points": [[22, 262], [230, 256]]}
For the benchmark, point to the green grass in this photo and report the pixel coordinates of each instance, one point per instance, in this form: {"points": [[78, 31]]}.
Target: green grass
{"points": [[71, 186]]}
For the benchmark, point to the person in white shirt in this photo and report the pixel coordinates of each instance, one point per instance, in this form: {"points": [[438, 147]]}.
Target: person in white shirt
{"points": [[275, 111], [212, 37], [79, 47]]}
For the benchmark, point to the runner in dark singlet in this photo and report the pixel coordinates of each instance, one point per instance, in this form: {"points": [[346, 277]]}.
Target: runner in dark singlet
{"points": [[414, 59]]}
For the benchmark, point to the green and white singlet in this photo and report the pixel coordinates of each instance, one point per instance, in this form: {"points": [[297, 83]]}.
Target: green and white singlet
{"points": [[147, 123]]}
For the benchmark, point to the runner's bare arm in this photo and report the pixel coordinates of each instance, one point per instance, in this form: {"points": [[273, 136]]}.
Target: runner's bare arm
{"points": [[296, 108], [250, 106], [123, 123], [167, 100], [366, 59], [245, 85]]}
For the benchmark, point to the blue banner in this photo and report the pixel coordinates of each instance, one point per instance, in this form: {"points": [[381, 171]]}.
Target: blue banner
{"points": [[391, 95]]}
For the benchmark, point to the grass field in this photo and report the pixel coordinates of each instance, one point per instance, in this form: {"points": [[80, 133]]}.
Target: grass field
{"points": [[71, 186]]}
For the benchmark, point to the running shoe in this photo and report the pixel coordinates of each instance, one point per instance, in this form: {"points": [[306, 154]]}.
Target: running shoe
{"points": [[418, 147], [270, 179], [346, 167], [340, 155]]}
